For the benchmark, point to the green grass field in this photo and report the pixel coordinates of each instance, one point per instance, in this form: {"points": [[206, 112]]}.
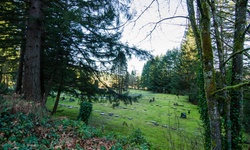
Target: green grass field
{"points": [[159, 121]]}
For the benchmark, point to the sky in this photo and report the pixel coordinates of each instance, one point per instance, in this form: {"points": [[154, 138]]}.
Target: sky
{"points": [[167, 35]]}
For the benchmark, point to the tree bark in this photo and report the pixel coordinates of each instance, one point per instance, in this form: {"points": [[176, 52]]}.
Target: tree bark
{"points": [[191, 14], [57, 100], [32, 83], [202, 100], [224, 100], [209, 77], [237, 74], [20, 68]]}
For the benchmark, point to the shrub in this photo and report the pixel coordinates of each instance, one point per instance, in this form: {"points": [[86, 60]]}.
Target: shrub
{"points": [[3, 88], [137, 138], [246, 121], [85, 111]]}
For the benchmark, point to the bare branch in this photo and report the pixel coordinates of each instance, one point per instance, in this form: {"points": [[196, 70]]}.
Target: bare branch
{"points": [[246, 30], [247, 55], [144, 11], [157, 23]]}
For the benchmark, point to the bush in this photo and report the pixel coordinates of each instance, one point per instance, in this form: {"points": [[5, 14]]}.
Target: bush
{"points": [[246, 119], [3, 88], [137, 138], [85, 111]]}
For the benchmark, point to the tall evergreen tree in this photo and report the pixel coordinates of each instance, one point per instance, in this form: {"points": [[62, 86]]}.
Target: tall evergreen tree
{"points": [[62, 35], [32, 70], [12, 41]]}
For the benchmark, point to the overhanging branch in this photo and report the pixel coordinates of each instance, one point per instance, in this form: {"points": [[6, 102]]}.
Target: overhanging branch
{"points": [[232, 87], [238, 52]]}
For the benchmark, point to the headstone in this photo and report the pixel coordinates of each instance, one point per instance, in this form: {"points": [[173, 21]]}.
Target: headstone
{"points": [[111, 114], [155, 123], [183, 115], [71, 100]]}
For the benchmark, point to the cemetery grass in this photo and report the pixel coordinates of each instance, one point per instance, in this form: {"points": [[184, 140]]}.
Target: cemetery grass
{"points": [[159, 121]]}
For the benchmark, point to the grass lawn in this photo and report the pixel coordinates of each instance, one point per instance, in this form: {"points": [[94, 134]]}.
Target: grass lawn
{"points": [[159, 121]]}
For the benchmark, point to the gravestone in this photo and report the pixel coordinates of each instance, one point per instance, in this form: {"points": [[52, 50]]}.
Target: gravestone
{"points": [[111, 114], [155, 123], [71, 100], [183, 115]]}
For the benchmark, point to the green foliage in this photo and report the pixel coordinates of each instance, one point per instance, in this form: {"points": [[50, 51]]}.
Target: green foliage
{"points": [[12, 27], [3, 88], [137, 138], [203, 109], [20, 130], [247, 111], [174, 72], [85, 111]]}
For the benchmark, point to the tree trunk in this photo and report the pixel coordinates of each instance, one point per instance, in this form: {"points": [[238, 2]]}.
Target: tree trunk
{"points": [[20, 68], [237, 73], [191, 14], [32, 83], [1, 74], [209, 77], [224, 100], [57, 100]]}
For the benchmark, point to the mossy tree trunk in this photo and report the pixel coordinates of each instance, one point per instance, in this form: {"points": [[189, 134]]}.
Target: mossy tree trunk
{"points": [[202, 99], [237, 73], [209, 77], [224, 100]]}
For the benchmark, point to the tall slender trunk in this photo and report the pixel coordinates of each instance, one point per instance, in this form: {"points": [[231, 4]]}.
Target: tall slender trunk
{"points": [[224, 100], [1, 74], [57, 100], [209, 77], [191, 14], [48, 88], [20, 67], [32, 83], [202, 100], [237, 73]]}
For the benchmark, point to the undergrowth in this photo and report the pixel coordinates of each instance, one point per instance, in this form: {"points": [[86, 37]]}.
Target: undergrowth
{"points": [[26, 125]]}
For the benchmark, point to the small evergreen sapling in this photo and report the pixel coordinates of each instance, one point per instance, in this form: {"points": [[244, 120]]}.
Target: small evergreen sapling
{"points": [[85, 111]]}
